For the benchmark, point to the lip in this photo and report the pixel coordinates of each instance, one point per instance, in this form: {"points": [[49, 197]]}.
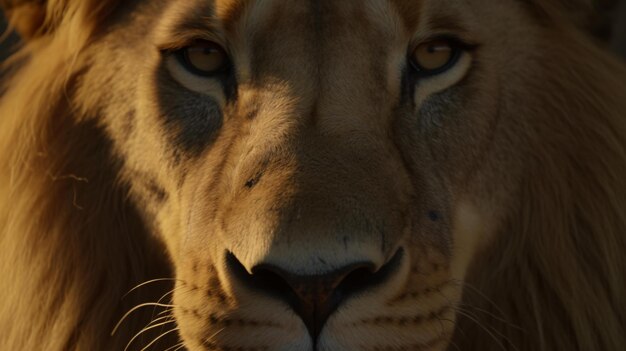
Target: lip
{"points": [[276, 287]]}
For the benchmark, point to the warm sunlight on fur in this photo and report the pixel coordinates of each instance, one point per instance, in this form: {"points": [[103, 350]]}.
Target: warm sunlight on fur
{"points": [[311, 176]]}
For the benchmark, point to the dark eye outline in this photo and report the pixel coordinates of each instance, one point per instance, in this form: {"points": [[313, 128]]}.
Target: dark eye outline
{"points": [[183, 57], [458, 48]]}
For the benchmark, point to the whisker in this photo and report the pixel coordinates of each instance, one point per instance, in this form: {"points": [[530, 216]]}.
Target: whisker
{"points": [[152, 315], [477, 291], [209, 338], [136, 308], [167, 310], [159, 319], [145, 330], [157, 338], [499, 319], [456, 347], [167, 317], [150, 282], [474, 319], [454, 324], [177, 346], [488, 330], [443, 330], [175, 289]]}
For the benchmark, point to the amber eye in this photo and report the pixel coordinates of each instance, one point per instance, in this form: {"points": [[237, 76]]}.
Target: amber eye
{"points": [[435, 56], [204, 58]]}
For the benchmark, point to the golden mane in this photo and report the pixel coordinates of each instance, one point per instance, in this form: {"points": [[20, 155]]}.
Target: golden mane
{"points": [[561, 247], [72, 244]]}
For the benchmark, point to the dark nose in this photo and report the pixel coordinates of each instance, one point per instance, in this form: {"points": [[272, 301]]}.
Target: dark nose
{"points": [[314, 297]]}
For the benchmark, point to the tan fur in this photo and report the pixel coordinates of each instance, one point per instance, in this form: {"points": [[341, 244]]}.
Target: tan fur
{"points": [[524, 160]]}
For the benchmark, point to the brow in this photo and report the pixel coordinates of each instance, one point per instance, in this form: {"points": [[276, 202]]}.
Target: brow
{"points": [[207, 20], [409, 11], [446, 22], [214, 20], [231, 11], [439, 20]]}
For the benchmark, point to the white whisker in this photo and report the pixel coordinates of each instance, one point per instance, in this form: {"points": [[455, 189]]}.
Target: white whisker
{"points": [[157, 338], [149, 282], [145, 330], [136, 308], [175, 347]]}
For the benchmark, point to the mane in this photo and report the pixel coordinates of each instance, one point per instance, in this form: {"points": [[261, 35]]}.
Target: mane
{"points": [[73, 245], [554, 278]]}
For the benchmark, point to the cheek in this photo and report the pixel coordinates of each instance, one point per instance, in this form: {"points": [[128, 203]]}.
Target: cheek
{"points": [[447, 141], [470, 231]]}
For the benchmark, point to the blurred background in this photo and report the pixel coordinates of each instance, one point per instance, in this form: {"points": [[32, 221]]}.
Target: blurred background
{"points": [[608, 24]]}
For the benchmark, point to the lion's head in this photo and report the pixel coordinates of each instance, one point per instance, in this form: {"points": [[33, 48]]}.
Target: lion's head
{"points": [[311, 175]]}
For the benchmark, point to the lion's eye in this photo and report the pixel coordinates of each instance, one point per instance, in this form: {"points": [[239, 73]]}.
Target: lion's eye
{"points": [[435, 56], [204, 58]]}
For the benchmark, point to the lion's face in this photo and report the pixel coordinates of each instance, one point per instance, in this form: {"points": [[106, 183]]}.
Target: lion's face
{"points": [[322, 172]]}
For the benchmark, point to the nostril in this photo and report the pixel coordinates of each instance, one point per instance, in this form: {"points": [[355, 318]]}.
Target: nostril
{"points": [[360, 280], [314, 297]]}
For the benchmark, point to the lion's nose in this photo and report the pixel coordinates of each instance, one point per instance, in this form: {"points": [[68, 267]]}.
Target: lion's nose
{"points": [[314, 297]]}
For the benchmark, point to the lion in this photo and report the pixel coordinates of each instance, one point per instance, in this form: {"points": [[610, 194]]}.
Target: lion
{"points": [[311, 175]]}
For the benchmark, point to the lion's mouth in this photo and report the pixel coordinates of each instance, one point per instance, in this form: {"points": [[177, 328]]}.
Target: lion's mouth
{"points": [[314, 298], [401, 302]]}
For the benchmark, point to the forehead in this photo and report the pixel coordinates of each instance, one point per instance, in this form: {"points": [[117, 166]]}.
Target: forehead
{"points": [[315, 13], [245, 17]]}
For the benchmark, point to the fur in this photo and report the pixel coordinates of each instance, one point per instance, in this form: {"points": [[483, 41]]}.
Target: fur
{"points": [[73, 241]]}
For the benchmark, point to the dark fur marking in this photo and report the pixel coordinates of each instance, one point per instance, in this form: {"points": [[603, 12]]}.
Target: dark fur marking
{"points": [[253, 111], [407, 89], [412, 295], [192, 120], [214, 319], [177, 157], [149, 186], [216, 293], [254, 180], [229, 82], [213, 346], [128, 124], [157, 192], [418, 319], [434, 216]]}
